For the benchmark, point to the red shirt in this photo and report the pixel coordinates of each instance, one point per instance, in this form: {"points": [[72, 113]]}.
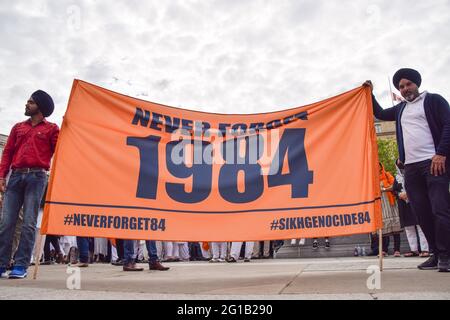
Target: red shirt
{"points": [[29, 147]]}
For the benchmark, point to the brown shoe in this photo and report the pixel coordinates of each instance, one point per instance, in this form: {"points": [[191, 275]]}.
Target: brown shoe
{"points": [[131, 267], [157, 266]]}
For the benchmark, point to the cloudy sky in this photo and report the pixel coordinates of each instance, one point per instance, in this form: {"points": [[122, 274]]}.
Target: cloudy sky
{"points": [[226, 56]]}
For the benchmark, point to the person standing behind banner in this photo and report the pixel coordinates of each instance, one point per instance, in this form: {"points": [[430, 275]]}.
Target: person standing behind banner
{"points": [[168, 249], [219, 251], [27, 154], [315, 244], [236, 251], [408, 219], [195, 251], [206, 250], [391, 218], [423, 139], [175, 251]]}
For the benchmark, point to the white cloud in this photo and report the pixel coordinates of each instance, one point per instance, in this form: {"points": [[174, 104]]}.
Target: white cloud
{"points": [[226, 56]]}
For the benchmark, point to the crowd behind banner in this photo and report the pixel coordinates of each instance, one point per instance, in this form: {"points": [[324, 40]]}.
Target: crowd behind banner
{"points": [[397, 217]]}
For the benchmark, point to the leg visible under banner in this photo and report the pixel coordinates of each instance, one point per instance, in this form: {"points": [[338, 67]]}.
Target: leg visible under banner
{"points": [[380, 248]]}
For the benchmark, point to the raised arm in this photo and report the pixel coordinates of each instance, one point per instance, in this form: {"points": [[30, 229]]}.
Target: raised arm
{"points": [[378, 111]]}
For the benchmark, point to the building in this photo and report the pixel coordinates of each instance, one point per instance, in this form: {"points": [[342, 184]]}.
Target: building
{"points": [[385, 129], [3, 139]]}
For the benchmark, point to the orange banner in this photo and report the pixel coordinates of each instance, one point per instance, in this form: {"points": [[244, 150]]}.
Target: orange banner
{"points": [[131, 169]]}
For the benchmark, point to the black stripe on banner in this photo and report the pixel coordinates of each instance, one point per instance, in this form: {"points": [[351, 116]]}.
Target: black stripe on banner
{"points": [[208, 212]]}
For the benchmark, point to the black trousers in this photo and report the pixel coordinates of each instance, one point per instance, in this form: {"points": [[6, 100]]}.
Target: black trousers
{"points": [[195, 251], [430, 200], [54, 240], [374, 244], [119, 248]]}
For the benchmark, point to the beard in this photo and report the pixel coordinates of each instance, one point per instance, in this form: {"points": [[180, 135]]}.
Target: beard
{"points": [[31, 113], [411, 96]]}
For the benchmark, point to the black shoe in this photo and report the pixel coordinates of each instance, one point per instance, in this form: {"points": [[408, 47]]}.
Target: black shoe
{"points": [[327, 244], [443, 264], [231, 259], [430, 264], [118, 263], [315, 245]]}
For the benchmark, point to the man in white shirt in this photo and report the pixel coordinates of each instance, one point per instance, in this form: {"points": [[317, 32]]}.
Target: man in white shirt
{"points": [[423, 138]]}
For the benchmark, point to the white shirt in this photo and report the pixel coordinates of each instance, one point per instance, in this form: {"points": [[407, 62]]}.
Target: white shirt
{"points": [[417, 138]]}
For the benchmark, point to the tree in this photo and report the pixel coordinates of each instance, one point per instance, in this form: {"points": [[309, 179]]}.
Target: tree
{"points": [[388, 153]]}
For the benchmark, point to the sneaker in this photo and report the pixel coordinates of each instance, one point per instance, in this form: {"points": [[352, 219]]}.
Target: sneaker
{"points": [[327, 244], [430, 264], [117, 263], [18, 273], [302, 242], [246, 260], [213, 260], [315, 245], [221, 260], [443, 264], [3, 273], [231, 260]]}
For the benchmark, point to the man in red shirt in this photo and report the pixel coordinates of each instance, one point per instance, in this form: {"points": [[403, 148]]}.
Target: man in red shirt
{"points": [[27, 157]]}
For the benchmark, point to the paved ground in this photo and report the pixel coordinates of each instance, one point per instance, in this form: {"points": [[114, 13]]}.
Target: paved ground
{"points": [[334, 278]]}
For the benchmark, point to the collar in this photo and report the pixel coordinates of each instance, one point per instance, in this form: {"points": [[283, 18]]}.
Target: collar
{"points": [[420, 97], [42, 122]]}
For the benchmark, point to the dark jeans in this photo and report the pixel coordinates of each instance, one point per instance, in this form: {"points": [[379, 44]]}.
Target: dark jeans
{"points": [[128, 246], [23, 189], [128, 250], [430, 200], [83, 249], [152, 251]]}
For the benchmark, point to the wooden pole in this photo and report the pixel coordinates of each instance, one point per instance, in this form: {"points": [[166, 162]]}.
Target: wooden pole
{"points": [[380, 248], [37, 254]]}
